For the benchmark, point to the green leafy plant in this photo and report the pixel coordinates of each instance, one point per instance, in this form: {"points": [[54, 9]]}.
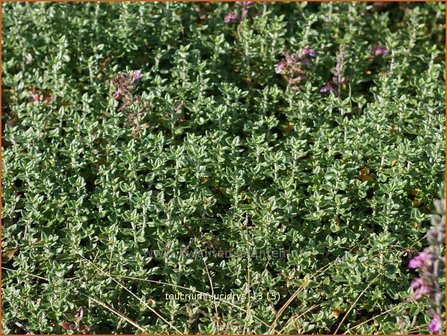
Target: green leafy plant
{"points": [[159, 176]]}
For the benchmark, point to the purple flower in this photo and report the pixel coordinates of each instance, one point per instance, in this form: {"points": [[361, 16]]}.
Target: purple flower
{"points": [[428, 261], [117, 93], [379, 50], [290, 58], [415, 263], [137, 75], [293, 65], [416, 283], [327, 88], [231, 16], [421, 291], [309, 52], [435, 323], [419, 260], [280, 66], [420, 288]]}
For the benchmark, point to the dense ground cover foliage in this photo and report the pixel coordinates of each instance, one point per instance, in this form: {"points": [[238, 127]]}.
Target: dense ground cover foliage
{"points": [[287, 154]]}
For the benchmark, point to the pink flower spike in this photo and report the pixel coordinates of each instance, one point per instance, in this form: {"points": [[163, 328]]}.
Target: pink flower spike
{"points": [[424, 256], [435, 324], [378, 50], [327, 88], [415, 263], [419, 260], [280, 66], [416, 283], [137, 75], [231, 16], [290, 59], [118, 93], [309, 52], [421, 291]]}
